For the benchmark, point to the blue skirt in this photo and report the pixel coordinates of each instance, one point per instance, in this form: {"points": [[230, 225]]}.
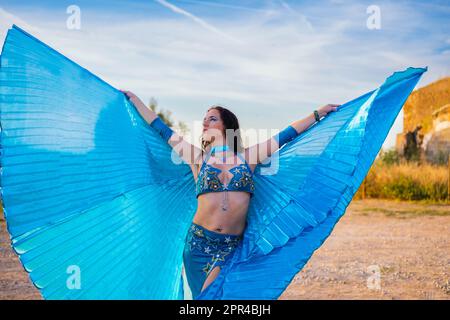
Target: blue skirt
{"points": [[203, 251]]}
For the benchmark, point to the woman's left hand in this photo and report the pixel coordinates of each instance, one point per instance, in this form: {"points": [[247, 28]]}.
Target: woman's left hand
{"points": [[323, 111]]}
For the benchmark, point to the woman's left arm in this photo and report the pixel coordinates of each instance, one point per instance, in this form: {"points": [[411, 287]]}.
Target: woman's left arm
{"points": [[261, 151]]}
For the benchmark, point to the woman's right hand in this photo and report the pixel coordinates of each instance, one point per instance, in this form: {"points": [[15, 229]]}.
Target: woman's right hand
{"points": [[148, 114], [133, 98]]}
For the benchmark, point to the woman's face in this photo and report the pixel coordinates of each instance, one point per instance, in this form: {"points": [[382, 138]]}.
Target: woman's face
{"points": [[212, 125]]}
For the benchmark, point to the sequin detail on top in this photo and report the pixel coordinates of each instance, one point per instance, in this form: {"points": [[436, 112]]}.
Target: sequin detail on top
{"points": [[208, 178]]}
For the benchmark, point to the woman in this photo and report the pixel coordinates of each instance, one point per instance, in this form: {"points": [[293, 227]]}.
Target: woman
{"points": [[220, 166], [91, 199]]}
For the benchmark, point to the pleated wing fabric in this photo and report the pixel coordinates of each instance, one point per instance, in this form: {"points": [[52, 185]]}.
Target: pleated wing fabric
{"points": [[94, 204], [98, 205], [305, 189]]}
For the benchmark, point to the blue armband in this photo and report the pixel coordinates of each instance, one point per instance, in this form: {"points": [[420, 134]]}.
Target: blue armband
{"points": [[162, 128], [286, 135]]}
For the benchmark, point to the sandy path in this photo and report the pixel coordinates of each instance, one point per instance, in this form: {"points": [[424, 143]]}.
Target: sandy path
{"points": [[408, 243]]}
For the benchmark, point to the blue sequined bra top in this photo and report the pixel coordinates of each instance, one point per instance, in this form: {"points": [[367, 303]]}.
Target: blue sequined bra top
{"points": [[208, 178]]}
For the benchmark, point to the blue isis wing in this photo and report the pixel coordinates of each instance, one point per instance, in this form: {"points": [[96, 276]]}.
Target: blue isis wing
{"points": [[306, 189], [91, 193]]}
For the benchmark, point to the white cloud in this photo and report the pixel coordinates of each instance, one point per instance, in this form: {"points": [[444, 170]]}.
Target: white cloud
{"points": [[281, 71], [7, 19]]}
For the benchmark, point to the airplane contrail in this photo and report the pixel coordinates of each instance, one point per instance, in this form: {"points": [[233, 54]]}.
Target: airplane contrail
{"points": [[227, 6], [303, 17], [197, 20]]}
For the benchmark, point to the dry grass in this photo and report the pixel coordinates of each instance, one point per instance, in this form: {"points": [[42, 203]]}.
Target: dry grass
{"points": [[406, 181]]}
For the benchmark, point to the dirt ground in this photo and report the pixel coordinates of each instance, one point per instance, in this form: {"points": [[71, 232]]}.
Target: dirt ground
{"points": [[379, 250]]}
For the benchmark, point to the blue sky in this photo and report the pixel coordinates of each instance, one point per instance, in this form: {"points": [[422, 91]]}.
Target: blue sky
{"points": [[271, 62]]}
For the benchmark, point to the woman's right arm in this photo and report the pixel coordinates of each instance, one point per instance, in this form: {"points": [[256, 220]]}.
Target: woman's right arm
{"points": [[188, 152]]}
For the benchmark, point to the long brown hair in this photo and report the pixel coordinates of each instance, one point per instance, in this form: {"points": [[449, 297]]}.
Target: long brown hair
{"points": [[230, 122]]}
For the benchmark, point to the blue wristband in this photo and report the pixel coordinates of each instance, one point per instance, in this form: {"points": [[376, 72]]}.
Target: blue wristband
{"points": [[286, 135], [162, 128]]}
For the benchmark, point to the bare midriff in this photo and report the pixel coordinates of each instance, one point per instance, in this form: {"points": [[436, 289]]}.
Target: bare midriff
{"points": [[212, 217]]}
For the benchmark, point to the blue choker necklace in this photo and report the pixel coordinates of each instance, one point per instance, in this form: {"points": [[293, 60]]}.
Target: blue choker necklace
{"points": [[219, 148]]}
